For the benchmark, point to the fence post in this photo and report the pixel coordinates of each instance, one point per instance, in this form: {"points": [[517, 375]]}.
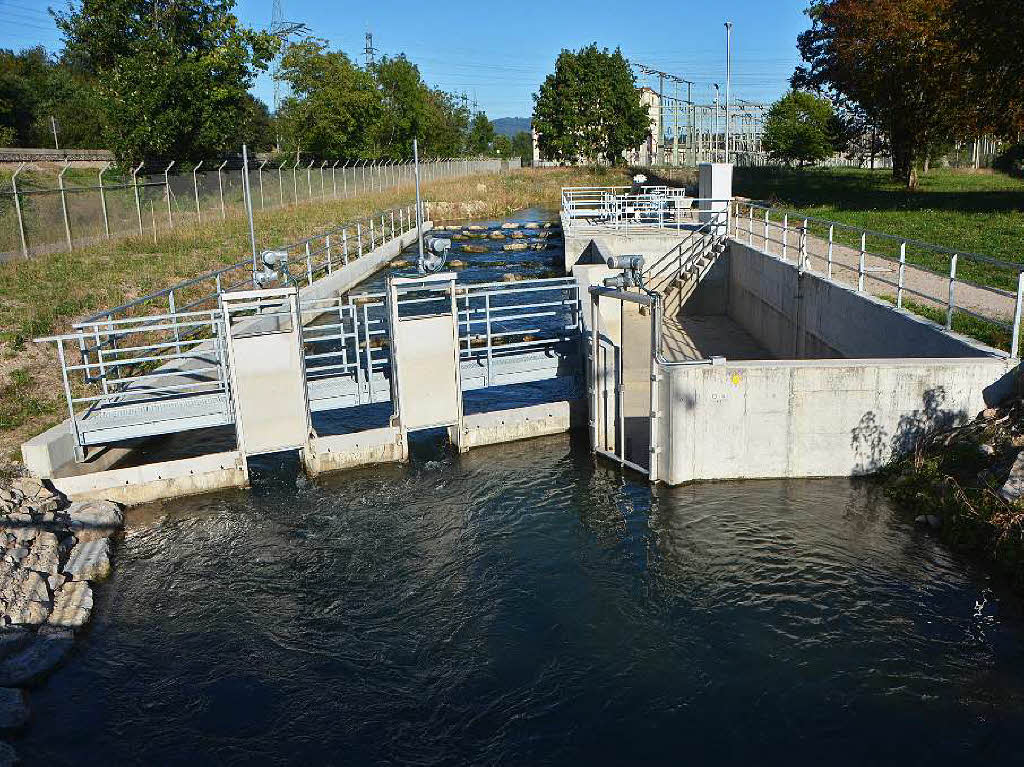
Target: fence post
{"points": [[902, 275], [280, 180], [309, 179], [344, 180], [334, 178], [860, 262], [167, 191], [195, 188], [295, 180], [262, 206], [17, 210], [323, 194], [220, 187], [138, 203], [1015, 341], [103, 202], [952, 290], [64, 201]]}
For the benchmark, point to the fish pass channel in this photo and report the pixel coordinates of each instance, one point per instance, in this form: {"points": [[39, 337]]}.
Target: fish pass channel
{"points": [[524, 604]]}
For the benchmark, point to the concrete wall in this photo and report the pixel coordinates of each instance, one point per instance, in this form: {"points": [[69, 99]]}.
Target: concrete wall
{"points": [[803, 316], [652, 246], [812, 418]]}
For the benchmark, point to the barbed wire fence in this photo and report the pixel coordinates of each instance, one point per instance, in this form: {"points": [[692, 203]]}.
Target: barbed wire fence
{"points": [[90, 205]]}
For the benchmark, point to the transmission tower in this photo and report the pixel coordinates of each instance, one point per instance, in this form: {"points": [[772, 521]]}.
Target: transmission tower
{"points": [[282, 30], [369, 51]]}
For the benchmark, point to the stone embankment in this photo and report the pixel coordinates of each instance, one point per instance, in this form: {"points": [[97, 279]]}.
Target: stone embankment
{"points": [[967, 483], [52, 552]]}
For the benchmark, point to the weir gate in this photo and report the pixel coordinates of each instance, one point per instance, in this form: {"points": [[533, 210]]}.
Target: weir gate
{"points": [[742, 353]]}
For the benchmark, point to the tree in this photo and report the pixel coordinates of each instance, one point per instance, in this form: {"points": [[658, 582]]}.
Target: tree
{"points": [[172, 77], [481, 134], [522, 146], [897, 61], [589, 108], [800, 128], [332, 104]]}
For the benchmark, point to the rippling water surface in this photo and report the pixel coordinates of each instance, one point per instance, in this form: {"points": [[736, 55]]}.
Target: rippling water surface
{"points": [[521, 605]]}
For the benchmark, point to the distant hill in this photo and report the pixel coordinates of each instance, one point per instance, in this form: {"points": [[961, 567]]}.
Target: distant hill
{"points": [[510, 126]]}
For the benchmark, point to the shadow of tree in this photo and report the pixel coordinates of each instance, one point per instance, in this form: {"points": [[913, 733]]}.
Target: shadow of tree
{"points": [[873, 444]]}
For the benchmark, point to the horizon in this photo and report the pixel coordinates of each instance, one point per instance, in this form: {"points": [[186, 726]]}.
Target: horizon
{"points": [[499, 65]]}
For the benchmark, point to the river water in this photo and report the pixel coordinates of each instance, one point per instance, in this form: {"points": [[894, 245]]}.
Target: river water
{"points": [[525, 604]]}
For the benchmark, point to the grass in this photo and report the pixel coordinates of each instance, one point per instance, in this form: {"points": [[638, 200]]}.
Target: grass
{"points": [[44, 295], [970, 212]]}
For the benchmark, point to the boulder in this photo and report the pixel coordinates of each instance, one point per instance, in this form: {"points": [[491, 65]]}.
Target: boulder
{"points": [[89, 561], [531, 225], [516, 246], [40, 657], [1013, 488], [95, 519], [44, 556], [510, 225], [13, 708], [72, 605]]}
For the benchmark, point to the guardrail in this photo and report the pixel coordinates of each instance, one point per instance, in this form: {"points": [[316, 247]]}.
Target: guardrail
{"points": [[623, 210], [940, 283]]}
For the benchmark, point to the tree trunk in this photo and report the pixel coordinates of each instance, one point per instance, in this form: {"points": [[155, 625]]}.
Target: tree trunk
{"points": [[903, 164]]}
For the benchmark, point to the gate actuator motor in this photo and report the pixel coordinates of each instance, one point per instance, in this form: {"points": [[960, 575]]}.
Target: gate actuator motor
{"points": [[632, 272], [435, 255]]}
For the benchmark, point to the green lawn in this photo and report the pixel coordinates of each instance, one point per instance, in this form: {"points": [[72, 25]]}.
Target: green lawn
{"points": [[970, 212]]}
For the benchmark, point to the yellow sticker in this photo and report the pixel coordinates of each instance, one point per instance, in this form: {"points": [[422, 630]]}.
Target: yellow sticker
{"points": [[735, 379]]}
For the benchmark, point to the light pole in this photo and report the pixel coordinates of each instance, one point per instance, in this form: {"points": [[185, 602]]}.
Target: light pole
{"points": [[716, 121], [728, 86]]}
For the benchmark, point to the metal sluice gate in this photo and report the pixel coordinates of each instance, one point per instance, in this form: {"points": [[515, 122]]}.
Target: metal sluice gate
{"points": [[246, 362]]}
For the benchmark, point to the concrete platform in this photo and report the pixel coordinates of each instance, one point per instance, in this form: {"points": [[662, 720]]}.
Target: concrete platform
{"points": [[701, 337]]}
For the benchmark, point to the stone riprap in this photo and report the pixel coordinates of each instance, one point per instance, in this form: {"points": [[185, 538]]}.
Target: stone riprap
{"points": [[50, 552]]}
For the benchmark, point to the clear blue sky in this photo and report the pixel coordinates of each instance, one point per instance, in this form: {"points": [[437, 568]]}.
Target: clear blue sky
{"points": [[500, 52]]}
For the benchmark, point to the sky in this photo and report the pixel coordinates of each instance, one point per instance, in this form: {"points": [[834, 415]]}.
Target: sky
{"points": [[500, 53]]}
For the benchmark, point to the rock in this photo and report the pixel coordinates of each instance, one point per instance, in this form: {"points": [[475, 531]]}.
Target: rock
{"points": [[456, 264], [17, 554], [56, 581], [25, 612], [531, 225], [515, 246], [476, 228], [400, 262], [933, 521], [25, 535], [517, 236], [510, 225], [89, 561], [95, 519], [474, 248], [29, 487], [508, 277], [40, 657], [987, 450], [44, 555], [989, 414], [1013, 488], [538, 246], [13, 708], [72, 605], [8, 756]]}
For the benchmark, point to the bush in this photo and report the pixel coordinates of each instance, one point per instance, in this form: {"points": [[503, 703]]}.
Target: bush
{"points": [[1012, 160]]}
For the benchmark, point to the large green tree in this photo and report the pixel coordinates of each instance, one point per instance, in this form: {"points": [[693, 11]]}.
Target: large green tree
{"points": [[172, 77], [589, 108], [481, 135], [895, 59], [801, 127]]}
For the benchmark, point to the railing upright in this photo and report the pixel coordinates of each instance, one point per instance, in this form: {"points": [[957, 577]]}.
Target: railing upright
{"points": [[1015, 341]]}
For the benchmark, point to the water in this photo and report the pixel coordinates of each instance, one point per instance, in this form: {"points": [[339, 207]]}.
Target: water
{"points": [[521, 604], [524, 604]]}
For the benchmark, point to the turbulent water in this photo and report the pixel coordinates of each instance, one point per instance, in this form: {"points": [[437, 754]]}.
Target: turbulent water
{"points": [[524, 604]]}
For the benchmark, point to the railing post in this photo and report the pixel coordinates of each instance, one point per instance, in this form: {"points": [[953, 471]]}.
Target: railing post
{"points": [[327, 246], [103, 202], [785, 236], [831, 241], [344, 245], [172, 310], [309, 266], [138, 202], [79, 454], [392, 212], [372, 243], [805, 261], [902, 275], [766, 248], [1015, 341], [17, 210], [952, 291], [359, 237], [750, 225], [167, 192], [64, 202], [195, 188], [860, 262], [220, 187], [487, 319]]}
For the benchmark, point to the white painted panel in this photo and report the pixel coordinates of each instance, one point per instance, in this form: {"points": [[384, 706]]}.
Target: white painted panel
{"points": [[427, 378], [270, 391]]}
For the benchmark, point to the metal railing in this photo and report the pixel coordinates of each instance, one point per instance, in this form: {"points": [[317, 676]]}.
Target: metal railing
{"points": [[619, 209], [66, 215], [937, 282]]}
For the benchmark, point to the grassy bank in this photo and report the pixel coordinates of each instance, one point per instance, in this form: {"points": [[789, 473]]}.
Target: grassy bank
{"points": [[971, 212], [44, 295], [954, 477]]}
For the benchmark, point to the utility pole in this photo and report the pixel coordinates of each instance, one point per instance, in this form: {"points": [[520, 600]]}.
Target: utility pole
{"points": [[280, 29], [728, 86], [661, 117], [717, 90], [53, 125]]}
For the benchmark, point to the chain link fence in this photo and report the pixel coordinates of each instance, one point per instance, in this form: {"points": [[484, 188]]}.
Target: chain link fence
{"points": [[83, 206]]}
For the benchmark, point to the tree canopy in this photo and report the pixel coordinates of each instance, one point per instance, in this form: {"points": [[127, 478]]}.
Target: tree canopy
{"points": [[801, 127], [589, 108], [925, 71]]}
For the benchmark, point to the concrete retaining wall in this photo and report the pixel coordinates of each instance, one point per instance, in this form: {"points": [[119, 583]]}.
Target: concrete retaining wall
{"points": [[812, 418], [803, 316], [500, 426]]}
